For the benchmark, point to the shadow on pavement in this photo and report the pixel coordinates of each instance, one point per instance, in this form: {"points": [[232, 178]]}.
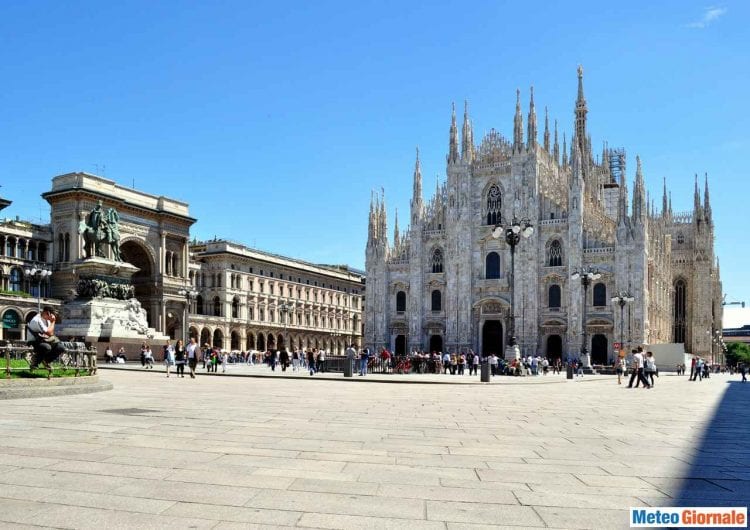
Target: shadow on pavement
{"points": [[719, 472]]}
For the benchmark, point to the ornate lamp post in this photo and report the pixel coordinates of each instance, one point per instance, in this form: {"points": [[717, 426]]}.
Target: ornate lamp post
{"points": [[622, 299], [512, 234], [38, 274], [586, 275], [189, 295], [334, 336], [284, 310]]}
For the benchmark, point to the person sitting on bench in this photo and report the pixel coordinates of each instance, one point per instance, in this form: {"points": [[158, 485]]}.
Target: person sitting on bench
{"points": [[46, 345]]}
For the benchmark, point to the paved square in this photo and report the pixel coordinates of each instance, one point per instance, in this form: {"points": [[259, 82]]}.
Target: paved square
{"points": [[240, 452]]}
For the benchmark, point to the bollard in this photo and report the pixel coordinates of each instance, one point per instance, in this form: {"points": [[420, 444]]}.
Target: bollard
{"points": [[485, 375], [569, 372], [348, 367]]}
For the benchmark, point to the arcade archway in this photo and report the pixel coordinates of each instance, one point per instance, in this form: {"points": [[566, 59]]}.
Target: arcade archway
{"points": [[135, 253]]}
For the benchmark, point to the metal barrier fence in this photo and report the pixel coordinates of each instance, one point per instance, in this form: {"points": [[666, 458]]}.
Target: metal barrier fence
{"points": [[76, 356]]}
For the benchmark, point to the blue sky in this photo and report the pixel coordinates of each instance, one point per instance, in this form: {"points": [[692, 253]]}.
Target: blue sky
{"points": [[274, 120]]}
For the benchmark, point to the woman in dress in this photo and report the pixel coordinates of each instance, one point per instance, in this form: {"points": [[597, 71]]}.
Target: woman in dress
{"points": [[179, 358]]}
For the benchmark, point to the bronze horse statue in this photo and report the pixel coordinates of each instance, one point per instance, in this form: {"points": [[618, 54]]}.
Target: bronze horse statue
{"points": [[101, 231]]}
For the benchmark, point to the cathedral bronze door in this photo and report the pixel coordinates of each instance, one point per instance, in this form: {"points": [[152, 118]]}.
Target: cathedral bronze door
{"points": [[554, 348], [599, 349], [436, 343], [492, 338]]}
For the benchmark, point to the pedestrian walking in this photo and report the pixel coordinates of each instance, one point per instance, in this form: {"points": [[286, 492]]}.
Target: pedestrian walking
{"points": [[650, 367], [311, 361], [168, 356], [364, 358], [192, 356], [637, 367], [179, 358], [620, 368]]}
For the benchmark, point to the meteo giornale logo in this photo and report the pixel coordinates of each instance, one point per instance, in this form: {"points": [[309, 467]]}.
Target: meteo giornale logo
{"points": [[701, 517]]}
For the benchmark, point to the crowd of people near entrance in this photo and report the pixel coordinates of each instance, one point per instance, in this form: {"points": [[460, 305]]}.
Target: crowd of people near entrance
{"points": [[640, 365]]}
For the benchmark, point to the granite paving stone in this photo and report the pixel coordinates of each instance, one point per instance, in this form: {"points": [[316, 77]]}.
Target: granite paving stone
{"points": [[276, 452]]}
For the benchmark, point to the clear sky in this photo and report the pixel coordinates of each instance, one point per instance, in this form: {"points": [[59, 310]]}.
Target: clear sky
{"points": [[274, 120]]}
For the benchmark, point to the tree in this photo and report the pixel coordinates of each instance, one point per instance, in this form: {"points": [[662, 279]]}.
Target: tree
{"points": [[738, 352]]}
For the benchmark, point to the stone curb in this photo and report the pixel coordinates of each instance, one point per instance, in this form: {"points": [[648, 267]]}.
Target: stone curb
{"points": [[67, 386]]}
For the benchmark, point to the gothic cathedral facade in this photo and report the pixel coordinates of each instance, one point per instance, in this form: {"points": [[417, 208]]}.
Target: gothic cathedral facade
{"points": [[445, 283]]}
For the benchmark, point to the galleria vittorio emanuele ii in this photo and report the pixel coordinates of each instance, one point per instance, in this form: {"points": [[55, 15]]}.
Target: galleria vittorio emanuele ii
{"points": [[563, 215]]}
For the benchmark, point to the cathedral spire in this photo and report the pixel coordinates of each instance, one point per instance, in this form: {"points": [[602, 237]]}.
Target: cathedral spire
{"points": [[639, 194], [565, 152], [453, 147], [518, 125], [382, 218], [556, 147], [417, 193], [531, 137], [706, 202], [664, 201], [467, 137], [371, 223], [697, 209], [546, 130], [396, 235], [622, 206], [580, 112]]}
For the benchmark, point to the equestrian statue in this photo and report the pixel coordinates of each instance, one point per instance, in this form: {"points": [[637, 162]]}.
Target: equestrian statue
{"points": [[99, 230]]}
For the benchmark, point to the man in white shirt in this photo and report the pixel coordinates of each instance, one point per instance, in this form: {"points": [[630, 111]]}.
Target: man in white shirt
{"points": [[638, 370], [192, 355], [41, 329]]}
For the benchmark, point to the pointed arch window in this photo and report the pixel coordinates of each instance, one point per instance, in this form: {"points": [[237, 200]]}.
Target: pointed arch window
{"points": [[554, 257], [437, 300], [680, 310], [554, 296], [492, 266], [437, 261], [494, 203], [600, 295]]}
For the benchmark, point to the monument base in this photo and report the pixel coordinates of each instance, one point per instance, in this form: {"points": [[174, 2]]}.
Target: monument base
{"points": [[512, 353]]}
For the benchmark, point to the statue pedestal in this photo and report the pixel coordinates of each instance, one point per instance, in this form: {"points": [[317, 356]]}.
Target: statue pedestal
{"points": [[104, 311], [106, 320], [512, 353]]}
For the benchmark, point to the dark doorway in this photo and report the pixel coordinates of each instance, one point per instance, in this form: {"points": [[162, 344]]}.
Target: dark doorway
{"points": [[400, 345], [436, 343], [492, 338], [135, 254], [599, 349], [554, 347]]}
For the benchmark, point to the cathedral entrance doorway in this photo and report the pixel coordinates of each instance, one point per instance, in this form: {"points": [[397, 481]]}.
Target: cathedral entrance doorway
{"points": [[492, 338], [436, 343], [400, 345], [554, 348], [599, 349]]}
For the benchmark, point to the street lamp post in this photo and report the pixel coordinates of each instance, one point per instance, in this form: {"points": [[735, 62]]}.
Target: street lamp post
{"points": [[285, 309], [334, 336], [512, 234], [38, 274], [189, 295], [586, 275], [622, 299]]}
